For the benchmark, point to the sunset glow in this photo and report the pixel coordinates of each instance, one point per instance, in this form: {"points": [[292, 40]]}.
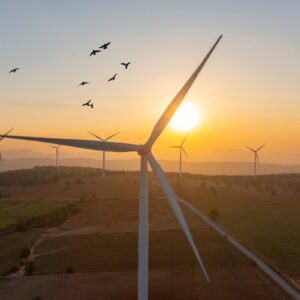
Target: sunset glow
{"points": [[186, 117]]}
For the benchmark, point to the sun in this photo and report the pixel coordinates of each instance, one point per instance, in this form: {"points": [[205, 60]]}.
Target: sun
{"points": [[185, 118]]}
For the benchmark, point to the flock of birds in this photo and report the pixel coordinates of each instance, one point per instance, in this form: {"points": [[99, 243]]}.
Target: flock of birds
{"points": [[93, 53], [83, 83]]}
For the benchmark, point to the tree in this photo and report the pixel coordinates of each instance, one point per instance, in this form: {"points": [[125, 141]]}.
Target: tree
{"points": [[213, 214]]}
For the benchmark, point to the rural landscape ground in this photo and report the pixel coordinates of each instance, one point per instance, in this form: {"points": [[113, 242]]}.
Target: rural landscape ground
{"points": [[68, 234]]}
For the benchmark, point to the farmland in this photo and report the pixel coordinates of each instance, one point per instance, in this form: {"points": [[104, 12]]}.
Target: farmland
{"points": [[98, 241]]}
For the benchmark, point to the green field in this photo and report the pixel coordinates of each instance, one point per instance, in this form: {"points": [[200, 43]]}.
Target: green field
{"points": [[272, 231], [13, 211], [265, 222]]}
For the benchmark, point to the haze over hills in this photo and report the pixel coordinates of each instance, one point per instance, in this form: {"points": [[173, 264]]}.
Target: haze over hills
{"points": [[16, 159]]}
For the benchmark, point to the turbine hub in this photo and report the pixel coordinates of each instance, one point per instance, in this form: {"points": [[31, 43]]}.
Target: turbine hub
{"points": [[144, 150]]}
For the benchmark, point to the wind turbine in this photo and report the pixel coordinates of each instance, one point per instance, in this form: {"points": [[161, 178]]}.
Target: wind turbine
{"points": [[56, 153], [146, 156], [255, 156], [103, 152], [181, 150], [1, 138]]}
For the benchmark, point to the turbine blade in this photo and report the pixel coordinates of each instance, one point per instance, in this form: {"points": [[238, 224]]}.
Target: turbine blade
{"points": [[174, 146], [96, 136], [6, 134], [184, 139], [173, 202], [1, 159], [256, 157], [108, 138], [85, 144], [185, 152], [171, 109], [260, 147], [250, 149]]}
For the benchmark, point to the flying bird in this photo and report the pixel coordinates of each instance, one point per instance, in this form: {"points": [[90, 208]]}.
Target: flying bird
{"points": [[113, 78], [91, 105], [125, 64], [14, 70], [83, 83], [104, 46], [94, 52]]}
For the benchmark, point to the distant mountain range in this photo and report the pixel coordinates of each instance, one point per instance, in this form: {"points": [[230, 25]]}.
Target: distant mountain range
{"points": [[207, 168]]}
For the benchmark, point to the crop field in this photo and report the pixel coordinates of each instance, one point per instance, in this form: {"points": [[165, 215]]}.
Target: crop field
{"points": [[14, 210], [95, 247], [266, 222]]}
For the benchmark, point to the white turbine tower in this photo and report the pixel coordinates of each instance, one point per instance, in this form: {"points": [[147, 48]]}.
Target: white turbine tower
{"points": [[56, 153], [255, 152], [1, 138], [103, 152], [146, 155], [181, 150]]}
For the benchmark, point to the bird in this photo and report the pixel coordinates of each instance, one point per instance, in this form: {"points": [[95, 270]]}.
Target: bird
{"points": [[104, 46], [91, 105], [14, 70], [112, 78], [94, 52], [83, 83], [125, 64]]}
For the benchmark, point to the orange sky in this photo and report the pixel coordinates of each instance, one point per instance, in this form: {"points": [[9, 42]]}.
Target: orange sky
{"points": [[248, 93]]}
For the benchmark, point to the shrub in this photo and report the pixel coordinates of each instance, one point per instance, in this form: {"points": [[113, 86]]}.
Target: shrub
{"points": [[67, 184], [29, 268], [213, 214], [69, 270], [25, 253], [79, 181], [82, 198], [253, 263], [54, 179]]}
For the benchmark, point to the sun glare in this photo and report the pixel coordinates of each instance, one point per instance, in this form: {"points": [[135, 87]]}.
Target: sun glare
{"points": [[185, 118]]}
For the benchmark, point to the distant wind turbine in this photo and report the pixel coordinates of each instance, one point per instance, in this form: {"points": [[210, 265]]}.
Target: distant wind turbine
{"points": [[103, 152], [56, 153], [1, 138], [255, 156], [181, 150], [145, 152]]}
